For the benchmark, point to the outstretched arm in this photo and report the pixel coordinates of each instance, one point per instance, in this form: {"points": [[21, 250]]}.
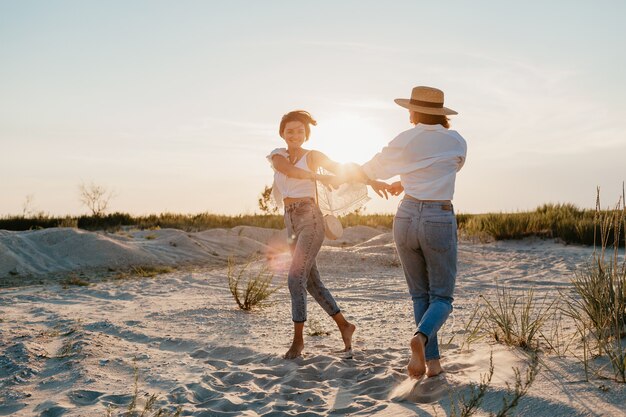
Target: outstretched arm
{"points": [[343, 172], [282, 165], [348, 173]]}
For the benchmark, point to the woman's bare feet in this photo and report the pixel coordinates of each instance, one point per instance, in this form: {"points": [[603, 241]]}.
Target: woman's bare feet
{"points": [[433, 368], [295, 350], [346, 334], [298, 341], [347, 330], [417, 363]]}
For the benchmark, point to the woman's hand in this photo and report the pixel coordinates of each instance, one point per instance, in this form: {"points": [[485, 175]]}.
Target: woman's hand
{"points": [[331, 182], [379, 188], [396, 188]]}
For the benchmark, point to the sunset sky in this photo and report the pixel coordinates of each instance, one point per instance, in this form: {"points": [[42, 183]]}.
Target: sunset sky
{"points": [[174, 105]]}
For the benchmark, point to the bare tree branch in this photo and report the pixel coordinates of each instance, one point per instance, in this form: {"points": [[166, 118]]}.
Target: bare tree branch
{"points": [[95, 197]]}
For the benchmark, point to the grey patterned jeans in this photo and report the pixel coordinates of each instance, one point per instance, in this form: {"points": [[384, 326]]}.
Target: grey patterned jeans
{"points": [[305, 232]]}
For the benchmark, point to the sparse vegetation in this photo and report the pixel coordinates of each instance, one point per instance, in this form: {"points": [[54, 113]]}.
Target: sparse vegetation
{"points": [[469, 405], [74, 279], [554, 336], [598, 302], [473, 327], [144, 271], [265, 201], [115, 221], [517, 320], [95, 197], [563, 221], [521, 387], [149, 405], [27, 206], [249, 289]]}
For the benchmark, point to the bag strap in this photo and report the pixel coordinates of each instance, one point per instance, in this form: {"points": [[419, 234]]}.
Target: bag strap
{"points": [[317, 198]]}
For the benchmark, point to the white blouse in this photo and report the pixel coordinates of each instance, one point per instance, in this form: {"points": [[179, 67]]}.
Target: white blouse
{"points": [[427, 158], [347, 198], [285, 186]]}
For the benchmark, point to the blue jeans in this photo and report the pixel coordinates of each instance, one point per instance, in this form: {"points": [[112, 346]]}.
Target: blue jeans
{"points": [[305, 231], [426, 240]]}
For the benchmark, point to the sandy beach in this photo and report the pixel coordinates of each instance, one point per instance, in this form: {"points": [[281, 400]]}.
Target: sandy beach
{"points": [[77, 350]]}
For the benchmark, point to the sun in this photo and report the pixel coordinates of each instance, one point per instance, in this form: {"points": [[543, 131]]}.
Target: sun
{"points": [[348, 137]]}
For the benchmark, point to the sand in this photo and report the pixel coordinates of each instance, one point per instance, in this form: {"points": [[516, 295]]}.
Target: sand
{"points": [[75, 351]]}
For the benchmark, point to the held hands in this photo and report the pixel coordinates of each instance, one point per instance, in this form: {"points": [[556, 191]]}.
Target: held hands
{"points": [[379, 188], [382, 188], [332, 182], [396, 188]]}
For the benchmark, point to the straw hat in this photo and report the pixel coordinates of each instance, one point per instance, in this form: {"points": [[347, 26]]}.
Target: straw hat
{"points": [[426, 100]]}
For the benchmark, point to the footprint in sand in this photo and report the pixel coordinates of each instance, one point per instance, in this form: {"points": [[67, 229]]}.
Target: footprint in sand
{"points": [[84, 397], [50, 409], [10, 409], [119, 400], [423, 390]]}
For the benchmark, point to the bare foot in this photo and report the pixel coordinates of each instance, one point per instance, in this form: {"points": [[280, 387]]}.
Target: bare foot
{"points": [[294, 351], [417, 363], [346, 335], [433, 368]]}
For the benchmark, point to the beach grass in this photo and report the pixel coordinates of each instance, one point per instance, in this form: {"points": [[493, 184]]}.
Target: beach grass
{"points": [[565, 222], [517, 320], [597, 303], [250, 288], [149, 404], [466, 406]]}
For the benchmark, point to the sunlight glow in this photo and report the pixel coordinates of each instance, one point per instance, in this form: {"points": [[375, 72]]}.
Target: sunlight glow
{"points": [[347, 137]]}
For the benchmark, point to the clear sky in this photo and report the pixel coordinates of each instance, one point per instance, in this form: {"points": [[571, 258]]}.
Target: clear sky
{"points": [[174, 105]]}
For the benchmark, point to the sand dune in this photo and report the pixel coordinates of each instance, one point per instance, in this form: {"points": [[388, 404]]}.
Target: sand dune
{"points": [[56, 250], [74, 351]]}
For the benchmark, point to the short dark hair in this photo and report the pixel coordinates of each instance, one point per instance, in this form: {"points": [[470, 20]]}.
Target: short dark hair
{"points": [[298, 116], [430, 119]]}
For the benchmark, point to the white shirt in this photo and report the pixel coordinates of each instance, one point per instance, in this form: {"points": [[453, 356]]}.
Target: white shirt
{"points": [[427, 158], [346, 199], [285, 186]]}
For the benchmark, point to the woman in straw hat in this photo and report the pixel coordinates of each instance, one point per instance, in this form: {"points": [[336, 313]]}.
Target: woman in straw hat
{"points": [[295, 177], [427, 158]]}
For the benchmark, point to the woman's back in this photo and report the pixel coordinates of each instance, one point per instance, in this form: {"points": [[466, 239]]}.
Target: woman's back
{"points": [[427, 158]]}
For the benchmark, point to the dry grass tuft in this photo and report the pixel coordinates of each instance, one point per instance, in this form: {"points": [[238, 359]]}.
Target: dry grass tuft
{"points": [[74, 279], [144, 271], [250, 289]]}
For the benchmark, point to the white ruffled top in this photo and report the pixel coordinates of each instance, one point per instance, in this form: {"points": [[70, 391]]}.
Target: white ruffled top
{"points": [[347, 198]]}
